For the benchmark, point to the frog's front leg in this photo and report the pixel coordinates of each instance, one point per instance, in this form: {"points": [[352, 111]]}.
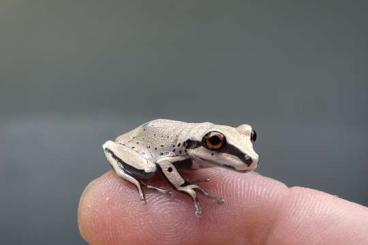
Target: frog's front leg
{"points": [[178, 182], [219, 200], [174, 177]]}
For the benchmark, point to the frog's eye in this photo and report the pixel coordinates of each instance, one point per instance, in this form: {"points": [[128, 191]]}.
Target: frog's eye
{"points": [[214, 140], [253, 136]]}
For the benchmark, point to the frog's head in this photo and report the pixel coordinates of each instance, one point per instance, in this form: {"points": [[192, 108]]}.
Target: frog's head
{"points": [[226, 147]]}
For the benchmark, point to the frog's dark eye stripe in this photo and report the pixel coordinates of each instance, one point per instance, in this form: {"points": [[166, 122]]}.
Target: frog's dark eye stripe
{"points": [[190, 144], [232, 150]]}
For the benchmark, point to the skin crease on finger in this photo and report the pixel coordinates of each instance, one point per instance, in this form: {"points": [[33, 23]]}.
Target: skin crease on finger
{"points": [[257, 210]]}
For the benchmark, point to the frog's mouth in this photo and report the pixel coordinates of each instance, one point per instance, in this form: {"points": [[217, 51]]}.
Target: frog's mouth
{"points": [[223, 165], [234, 169]]}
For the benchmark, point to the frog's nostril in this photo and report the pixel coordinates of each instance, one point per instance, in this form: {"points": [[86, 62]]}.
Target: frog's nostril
{"points": [[248, 160]]}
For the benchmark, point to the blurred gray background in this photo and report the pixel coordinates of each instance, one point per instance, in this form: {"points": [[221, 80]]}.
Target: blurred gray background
{"points": [[76, 73]]}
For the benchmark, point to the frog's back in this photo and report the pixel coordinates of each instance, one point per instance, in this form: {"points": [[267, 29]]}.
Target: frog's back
{"points": [[155, 138]]}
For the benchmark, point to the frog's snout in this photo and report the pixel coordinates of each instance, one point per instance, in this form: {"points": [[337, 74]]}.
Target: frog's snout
{"points": [[252, 162], [107, 144]]}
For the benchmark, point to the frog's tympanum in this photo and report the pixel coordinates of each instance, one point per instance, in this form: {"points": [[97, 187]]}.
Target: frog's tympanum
{"points": [[166, 146]]}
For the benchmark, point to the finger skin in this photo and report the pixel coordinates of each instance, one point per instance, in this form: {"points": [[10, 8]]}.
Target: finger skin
{"points": [[257, 210]]}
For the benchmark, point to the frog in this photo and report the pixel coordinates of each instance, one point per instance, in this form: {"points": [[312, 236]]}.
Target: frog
{"points": [[167, 146]]}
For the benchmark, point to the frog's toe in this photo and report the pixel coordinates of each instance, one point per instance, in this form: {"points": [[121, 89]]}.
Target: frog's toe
{"points": [[197, 181], [162, 190], [220, 200], [142, 199], [197, 210]]}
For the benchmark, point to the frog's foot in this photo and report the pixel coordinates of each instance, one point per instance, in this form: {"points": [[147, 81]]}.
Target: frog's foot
{"points": [[219, 200], [197, 209], [143, 200], [190, 190], [142, 197], [161, 190], [173, 176]]}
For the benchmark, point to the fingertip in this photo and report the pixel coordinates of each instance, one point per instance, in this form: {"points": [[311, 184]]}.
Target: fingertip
{"points": [[110, 212], [84, 209]]}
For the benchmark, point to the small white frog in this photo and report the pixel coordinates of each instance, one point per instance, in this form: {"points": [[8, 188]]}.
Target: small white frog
{"points": [[169, 145]]}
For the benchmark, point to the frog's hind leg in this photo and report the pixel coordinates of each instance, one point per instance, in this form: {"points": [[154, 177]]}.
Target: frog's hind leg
{"points": [[129, 164], [124, 175]]}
